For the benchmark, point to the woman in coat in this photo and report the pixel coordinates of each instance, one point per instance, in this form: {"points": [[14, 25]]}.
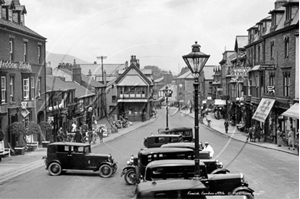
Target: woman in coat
{"points": [[279, 137]]}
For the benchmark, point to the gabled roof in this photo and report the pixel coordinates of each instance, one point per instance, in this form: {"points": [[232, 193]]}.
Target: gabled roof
{"points": [[240, 42], [21, 8], [132, 78]]}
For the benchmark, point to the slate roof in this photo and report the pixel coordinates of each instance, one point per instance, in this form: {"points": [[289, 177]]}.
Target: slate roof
{"points": [[57, 84], [19, 28], [111, 69], [159, 79], [84, 78]]}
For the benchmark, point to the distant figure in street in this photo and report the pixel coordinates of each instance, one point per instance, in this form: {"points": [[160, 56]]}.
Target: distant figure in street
{"points": [[291, 136], [257, 133], [100, 131], [279, 137], [78, 136], [207, 147], [74, 127], [226, 124]]}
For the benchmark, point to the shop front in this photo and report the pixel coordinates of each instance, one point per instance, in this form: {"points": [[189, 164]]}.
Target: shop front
{"points": [[291, 116], [134, 109]]}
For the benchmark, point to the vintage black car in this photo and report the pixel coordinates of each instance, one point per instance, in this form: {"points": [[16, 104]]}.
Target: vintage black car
{"points": [[158, 140], [221, 184], [135, 168], [186, 132], [189, 145], [63, 156], [178, 189]]}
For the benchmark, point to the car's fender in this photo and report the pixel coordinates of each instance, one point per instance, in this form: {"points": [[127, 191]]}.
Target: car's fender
{"points": [[242, 188], [52, 162], [220, 171], [125, 169]]}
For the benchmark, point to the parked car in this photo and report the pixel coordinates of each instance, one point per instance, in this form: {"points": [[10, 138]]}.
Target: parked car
{"points": [[178, 189], [186, 132], [63, 156], [135, 168], [189, 145], [158, 140], [221, 184]]}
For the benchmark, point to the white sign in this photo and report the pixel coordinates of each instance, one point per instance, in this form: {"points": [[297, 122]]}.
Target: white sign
{"points": [[263, 109], [23, 105]]}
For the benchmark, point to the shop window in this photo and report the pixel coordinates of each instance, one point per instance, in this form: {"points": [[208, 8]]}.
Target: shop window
{"points": [[3, 89]]}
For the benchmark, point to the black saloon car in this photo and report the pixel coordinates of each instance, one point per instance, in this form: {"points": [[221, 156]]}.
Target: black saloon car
{"points": [[63, 156]]}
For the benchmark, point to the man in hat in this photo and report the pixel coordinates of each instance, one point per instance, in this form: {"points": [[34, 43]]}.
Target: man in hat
{"points": [[207, 147]]}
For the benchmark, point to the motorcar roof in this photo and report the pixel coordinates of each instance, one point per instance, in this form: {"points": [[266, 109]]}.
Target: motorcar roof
{"points": [[178, 129], [179, 144], [146, 151], [171, 163], [170, 185], [68, 144], [165, 135]]}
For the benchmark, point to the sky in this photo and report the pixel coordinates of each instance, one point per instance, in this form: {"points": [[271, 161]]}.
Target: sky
{"points": [[158, 32]]}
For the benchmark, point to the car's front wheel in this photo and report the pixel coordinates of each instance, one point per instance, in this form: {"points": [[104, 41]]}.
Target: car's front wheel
{"points": [[130, 177], [54, 169], [105, 171]]}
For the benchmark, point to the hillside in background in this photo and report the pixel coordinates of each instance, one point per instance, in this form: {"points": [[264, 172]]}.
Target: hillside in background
{"points": [[55, 59]]}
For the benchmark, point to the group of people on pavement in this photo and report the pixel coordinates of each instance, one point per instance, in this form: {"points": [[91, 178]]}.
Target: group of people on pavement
{"points": [[81, 134], [291, 137]]}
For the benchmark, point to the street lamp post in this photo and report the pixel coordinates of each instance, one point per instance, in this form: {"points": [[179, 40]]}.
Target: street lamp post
{"points": [[196, 61], [168, 93]]}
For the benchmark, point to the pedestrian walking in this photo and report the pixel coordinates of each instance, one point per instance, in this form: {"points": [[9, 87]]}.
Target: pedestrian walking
{"points": [[279, 136], [78, 136], [100, 133], [226, 124], [257, 132], [291, 138]]}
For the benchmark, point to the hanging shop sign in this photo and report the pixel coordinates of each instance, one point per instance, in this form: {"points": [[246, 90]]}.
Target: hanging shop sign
{"points": [[17, 66], [24, 112], [263, 109]]}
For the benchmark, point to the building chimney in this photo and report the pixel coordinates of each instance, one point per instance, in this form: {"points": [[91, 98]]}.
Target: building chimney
{"points": [[138, 63], [76, 74]]}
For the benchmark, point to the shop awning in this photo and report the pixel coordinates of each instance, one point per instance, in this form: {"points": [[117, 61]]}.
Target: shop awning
{"points": [[133, 100], [292, 112], [263, 109]]}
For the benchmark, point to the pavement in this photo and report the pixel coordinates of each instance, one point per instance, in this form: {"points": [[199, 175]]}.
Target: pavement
{"points": [[234, 133], [16, 165]]}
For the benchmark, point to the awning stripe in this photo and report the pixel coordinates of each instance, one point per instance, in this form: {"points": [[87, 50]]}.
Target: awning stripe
{"points": [[292, 112]]}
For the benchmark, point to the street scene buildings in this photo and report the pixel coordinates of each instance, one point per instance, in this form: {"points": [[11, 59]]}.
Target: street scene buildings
{"points": [[254, 89]]}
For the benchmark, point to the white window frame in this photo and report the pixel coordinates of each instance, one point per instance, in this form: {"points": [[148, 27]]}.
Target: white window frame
{"points": [[25, 45], [12, 90], [3, 89], [26, 88], [39, 53], [39, 86], [11, 49], [32, 90]]}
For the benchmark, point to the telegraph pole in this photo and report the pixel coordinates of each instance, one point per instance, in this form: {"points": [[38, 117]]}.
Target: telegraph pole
{"points": [[103, 94]]}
